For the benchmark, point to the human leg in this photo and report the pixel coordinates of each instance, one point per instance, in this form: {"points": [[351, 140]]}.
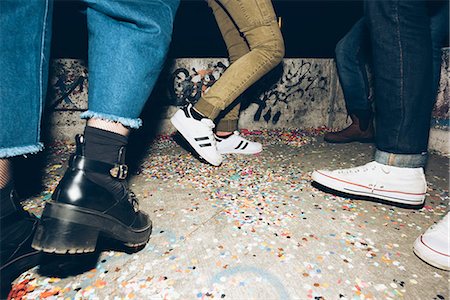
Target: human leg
{"points": [[401, 50], [433, 246], [128, 42], [25, 28], [237, 47], [351, 59], [228, 137], [256, 21], [439, 25]]}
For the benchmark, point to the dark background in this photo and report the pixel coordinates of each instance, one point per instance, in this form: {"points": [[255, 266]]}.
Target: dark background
{"points": [[310, 28]]}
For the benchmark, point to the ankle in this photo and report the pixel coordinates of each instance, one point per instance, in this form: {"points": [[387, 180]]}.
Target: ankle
{"points": [[196, 114], [103, 145], [109, 126], [224, 134]]}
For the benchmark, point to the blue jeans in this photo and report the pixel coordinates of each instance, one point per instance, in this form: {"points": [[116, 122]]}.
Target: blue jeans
{"points": [[353, 53], [402, 66], [128, 42]]}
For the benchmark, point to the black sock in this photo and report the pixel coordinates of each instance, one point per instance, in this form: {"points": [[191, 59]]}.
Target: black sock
{"points": [[196, 114], [105, 146]]}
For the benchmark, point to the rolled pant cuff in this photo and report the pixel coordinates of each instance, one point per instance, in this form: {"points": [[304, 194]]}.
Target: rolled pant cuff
{"points": [[227, 125], [127, 122], [21, 150], [401, 160], [207, 109]]}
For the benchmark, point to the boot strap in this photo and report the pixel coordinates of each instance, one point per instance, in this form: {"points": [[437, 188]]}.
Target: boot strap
{"points": [[118, 171]]}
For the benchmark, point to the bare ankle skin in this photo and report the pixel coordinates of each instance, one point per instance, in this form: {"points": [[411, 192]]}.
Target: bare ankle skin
{"points": [[223, 133], [108, 126]]}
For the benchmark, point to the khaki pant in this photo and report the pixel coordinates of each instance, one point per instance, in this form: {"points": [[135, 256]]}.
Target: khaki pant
{"points": [[255, 46]]}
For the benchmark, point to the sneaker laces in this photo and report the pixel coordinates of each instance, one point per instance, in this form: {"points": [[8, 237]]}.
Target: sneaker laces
{"points": [[211, 126], [364, 168]]}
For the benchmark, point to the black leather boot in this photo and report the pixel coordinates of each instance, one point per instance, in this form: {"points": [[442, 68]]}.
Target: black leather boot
{"points": [[17, 230], [82, 209]]}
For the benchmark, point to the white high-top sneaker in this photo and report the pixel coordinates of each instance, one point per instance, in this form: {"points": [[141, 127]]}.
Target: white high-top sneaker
{"points": [[198, 133], [400, 185], [237, 144], [433, 246]]}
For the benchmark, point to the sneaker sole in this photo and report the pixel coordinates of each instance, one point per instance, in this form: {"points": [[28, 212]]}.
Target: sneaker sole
{"points": [[185, 133], [424, 252], [66, 228], [360, 190]]}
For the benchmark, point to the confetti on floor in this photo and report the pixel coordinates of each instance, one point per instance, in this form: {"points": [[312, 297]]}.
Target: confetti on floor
{"points": [[253, 228]]}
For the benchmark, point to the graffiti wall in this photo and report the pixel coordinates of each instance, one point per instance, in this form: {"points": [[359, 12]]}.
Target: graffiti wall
{"points": [[299, 93], [279, 99]]}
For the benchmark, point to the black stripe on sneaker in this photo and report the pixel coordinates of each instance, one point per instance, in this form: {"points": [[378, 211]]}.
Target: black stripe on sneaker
{"points": [[239, 145], [245, 146], [205, 145], [186, 112], [201, 138]]}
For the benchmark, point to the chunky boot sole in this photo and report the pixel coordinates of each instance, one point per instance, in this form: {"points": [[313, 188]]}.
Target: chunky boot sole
{"points": [[66, 228]]}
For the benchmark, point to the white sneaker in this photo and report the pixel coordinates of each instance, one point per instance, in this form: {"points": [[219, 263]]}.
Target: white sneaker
{"points": [[199, 134], [400, 185], [433, 246], [237, 144]]}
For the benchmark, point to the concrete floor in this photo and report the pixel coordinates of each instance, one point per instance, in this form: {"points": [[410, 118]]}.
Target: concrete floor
{"points": [[253, 228]]}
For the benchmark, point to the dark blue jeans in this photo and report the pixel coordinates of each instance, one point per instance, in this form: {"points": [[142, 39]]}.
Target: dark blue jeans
{"points": [[402, 67], [353, 54], [128, 41]]}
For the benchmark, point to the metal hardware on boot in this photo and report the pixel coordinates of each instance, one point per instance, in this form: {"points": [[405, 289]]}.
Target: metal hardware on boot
{"points": [[79, 141], [72, 222], [119, 171]]}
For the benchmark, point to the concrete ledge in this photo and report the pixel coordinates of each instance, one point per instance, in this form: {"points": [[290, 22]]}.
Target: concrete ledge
{"points": [[301, 93]]}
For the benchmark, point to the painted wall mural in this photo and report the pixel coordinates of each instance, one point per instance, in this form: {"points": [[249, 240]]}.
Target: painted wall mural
{"points": [[292, 84], [189, 83], [300, 79], [298, 93]]}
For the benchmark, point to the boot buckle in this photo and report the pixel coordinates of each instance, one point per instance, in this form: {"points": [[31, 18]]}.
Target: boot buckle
{"points": [[119, 171]]}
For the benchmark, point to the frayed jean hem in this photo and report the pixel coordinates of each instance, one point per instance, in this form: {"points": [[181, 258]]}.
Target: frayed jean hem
{"points": [[127, 122], [21, 150], [401, 160]]}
